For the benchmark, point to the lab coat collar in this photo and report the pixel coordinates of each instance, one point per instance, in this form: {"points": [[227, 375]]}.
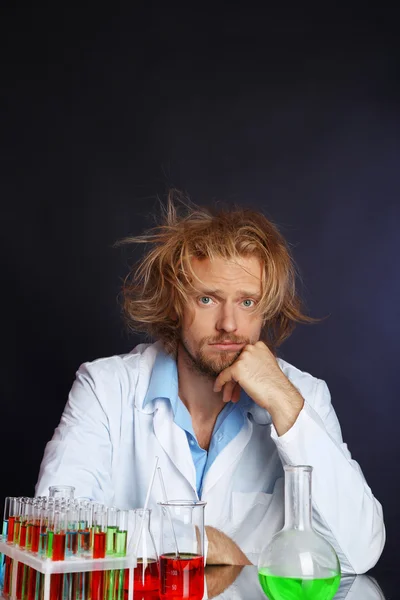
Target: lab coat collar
{"points": [[163, 380], [148, 353], [174, 441]]}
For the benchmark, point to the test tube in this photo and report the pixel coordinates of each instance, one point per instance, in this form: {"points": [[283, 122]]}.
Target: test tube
{"points": [[3, 558], [29, 522], [72, 531], [8, 507], [17, 521], [99, 535], [59, 523], [96, 507], [11, 508], [120, 550], [59, 537], [85, 534], [85, 530], [49, 531], [121, 533], [22, 570], [13, 515], [112, 520], [99, 551], [35, 528], [24, 517]]}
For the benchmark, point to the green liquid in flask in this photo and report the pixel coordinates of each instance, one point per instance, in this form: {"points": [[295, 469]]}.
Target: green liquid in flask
{"points": [[294, 588]]}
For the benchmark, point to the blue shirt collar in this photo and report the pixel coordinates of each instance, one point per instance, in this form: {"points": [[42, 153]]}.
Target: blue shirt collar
{"points": [[163, 380]]}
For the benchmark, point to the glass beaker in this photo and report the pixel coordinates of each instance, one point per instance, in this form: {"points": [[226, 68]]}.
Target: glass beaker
{"points": [[182, 550], [298, 563], [146, 575], [61, 491]]}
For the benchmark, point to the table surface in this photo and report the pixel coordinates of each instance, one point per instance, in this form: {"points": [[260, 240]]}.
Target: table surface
{"points": [[237, 583]]}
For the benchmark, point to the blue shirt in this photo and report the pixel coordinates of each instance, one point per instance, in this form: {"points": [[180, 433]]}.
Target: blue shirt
{"points": [[164, 384]]}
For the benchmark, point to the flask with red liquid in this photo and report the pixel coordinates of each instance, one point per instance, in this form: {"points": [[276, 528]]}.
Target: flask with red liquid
{"points": [[182, 550], [146, 574]]}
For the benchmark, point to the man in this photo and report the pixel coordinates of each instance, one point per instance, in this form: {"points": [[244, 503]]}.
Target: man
{"points": [[210, 398]]}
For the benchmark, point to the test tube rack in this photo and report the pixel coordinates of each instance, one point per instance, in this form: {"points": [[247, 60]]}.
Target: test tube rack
{"points": [[71, 564]]}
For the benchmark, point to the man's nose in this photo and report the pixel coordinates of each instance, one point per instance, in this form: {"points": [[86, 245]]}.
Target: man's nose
{"points": [[226, 319]]}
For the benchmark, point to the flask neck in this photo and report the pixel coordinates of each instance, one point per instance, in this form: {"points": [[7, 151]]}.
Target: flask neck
{"points": [[142, 515], [298, 497]]}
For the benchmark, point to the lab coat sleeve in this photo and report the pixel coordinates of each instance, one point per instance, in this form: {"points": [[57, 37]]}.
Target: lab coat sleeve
{"points": [[80, 452], [345, 511]]}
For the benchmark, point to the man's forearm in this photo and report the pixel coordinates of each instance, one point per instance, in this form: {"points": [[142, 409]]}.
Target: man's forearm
{"points": [[222, 550]]}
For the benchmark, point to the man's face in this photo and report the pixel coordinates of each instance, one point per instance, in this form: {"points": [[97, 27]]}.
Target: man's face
{"points": [[220, 319]]}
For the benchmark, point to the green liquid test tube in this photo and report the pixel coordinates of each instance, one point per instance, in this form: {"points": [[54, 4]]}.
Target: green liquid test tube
{"points": [[49, 549], [120, 550], [112, 521], [110, 537], [120, 543], [121, 533]]}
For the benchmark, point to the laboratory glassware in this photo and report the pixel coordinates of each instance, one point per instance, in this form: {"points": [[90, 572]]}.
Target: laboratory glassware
{"points": [[61, 491], [112, 519], [146, 573], [182, 550], [298, 563]]}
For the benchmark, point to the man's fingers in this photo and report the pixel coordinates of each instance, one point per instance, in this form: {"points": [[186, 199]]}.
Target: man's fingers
{"points": [[228, 391], [236, 393], [226, 381], [219, 382], [225, 376]]}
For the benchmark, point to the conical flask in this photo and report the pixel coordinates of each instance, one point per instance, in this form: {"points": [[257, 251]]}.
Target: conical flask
{"points": [[298, 563], [146, 576]]}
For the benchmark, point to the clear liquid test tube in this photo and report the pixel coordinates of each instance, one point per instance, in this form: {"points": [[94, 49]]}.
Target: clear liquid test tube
{"points": [[44, 526], [72, 531], [85, 531]]}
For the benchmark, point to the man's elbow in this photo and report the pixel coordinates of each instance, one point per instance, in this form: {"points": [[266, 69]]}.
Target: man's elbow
{"points": [[368, 553]]}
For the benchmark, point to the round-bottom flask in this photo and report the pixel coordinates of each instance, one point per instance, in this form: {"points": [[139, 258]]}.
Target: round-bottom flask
{"points": [[298, 563]]}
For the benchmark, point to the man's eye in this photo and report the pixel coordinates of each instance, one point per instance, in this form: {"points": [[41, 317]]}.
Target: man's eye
{"points": [[205, 300], [248, 303]]}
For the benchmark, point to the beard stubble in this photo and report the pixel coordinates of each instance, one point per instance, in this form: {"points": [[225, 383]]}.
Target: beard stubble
{"points": [[211, 366]]}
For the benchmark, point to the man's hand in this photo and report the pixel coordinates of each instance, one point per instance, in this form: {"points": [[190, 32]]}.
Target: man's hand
{"points": [[257, 372]]}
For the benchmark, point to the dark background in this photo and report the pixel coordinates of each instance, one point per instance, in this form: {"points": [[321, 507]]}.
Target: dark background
{"points": [[292, 112]]}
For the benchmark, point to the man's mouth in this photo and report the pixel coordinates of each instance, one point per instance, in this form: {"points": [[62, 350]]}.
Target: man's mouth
{"points": [[227, 345]]}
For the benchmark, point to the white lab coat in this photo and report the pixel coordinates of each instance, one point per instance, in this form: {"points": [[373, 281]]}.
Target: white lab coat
{"points": [[106, 444]]}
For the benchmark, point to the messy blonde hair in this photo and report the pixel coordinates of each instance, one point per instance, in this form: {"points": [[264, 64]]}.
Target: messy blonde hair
{"points": [[155, 291]]}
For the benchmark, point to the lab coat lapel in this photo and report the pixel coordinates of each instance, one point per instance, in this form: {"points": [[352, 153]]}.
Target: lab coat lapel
{"points": [[174, 441], [227, 457]]}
